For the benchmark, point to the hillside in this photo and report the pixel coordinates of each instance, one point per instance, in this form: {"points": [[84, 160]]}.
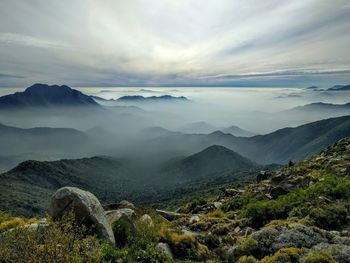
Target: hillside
{"points": [[321, 108], [19, 144], [43, 95], [237, 131], [213, 161], [277, 147], [299, 213], [25, 188]]}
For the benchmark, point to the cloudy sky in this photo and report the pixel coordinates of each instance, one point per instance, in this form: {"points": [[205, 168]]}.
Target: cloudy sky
{"points": [[175, 42]]}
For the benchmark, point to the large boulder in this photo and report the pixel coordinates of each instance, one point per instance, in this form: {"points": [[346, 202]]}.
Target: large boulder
{"points": [[86, 208], [115, 215], [164, 248]]}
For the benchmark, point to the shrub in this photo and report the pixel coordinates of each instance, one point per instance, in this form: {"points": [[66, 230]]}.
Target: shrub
{"points": [[329, 217], [143, 250], [286, 255], [186, 246], [63, 241], [247, 259], [123, 229], [216, 213], [318, 257]]}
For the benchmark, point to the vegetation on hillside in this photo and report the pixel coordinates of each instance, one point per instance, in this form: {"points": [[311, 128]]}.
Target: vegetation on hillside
{"points": [[299, 213]]}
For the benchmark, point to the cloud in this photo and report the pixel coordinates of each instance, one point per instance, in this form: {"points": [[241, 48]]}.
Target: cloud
{"points": [[150, 42], [17, 39]]}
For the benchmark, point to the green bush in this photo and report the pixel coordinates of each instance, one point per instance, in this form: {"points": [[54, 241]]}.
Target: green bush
{"points": [[318, 257], [123, 229], [284, 255], [143, 250], [329, 217], [62, 241]]}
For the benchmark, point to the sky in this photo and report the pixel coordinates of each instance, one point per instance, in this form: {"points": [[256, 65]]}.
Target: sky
{"points": [[175, 42]]}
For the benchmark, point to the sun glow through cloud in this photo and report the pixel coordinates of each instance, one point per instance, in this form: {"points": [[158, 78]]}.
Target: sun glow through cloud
{"points": [[170, 43]]}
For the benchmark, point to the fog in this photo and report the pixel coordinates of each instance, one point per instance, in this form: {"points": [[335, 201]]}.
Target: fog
{"points": [[149, 130]]}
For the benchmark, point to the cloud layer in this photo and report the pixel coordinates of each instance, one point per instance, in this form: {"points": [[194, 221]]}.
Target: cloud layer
{"points": [[170, 42]]}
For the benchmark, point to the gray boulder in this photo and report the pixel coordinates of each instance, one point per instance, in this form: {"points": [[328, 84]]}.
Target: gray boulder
{"points": [[146, 220], [164, 249], [115, 215], [86, 207]]}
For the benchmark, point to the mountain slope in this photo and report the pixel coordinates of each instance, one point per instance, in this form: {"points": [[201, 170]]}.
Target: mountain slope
{"points": [[16, 140], [26, 188], [212, 161], [320, 107], [276, 147], [43, 95]]}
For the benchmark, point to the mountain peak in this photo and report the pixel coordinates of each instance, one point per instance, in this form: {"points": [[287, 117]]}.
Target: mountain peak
{"points": [[40, 95]]}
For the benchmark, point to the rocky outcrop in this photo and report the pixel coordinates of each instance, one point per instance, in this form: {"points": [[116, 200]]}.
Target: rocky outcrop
{"points": [[86, 208]]}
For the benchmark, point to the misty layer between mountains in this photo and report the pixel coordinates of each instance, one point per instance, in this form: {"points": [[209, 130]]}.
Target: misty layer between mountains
{"points": [[157, 129], [151, 145]]}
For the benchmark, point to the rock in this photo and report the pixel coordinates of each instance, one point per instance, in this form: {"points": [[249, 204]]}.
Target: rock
{"points": [[114, 215], [263, 175], [38, 226], [277, 191], [169, 215], [237, 229], [86, 207], [146, 220], [194, 219], [248, 231], [204, 208], [164, 248], [126, 204], [278, 178], [232, 192], [121, 204], [217, 205], [189, 232]]}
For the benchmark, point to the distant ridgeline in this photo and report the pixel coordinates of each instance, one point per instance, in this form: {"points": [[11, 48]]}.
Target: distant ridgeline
{"points": [[138, 98], [43, 95]]}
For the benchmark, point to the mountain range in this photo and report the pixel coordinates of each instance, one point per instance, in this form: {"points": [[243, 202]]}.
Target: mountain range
{"points": [[204, 127], [276, 147]]}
